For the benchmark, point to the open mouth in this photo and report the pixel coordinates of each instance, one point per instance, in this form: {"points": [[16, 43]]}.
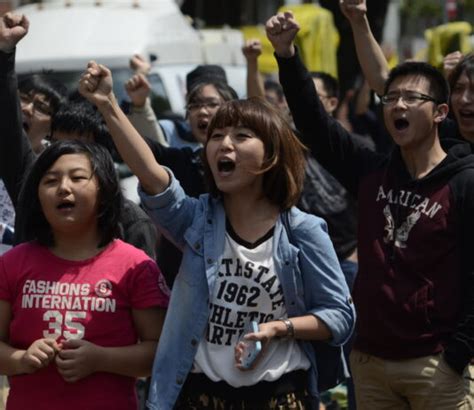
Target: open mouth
{"points": [[65, 205], [401, 124], [26, 127], [225, 165], [466, 114], [202, 125]]}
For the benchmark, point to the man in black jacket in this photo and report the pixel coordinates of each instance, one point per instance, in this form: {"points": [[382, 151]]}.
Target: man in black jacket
{"points": [[414, 291]]}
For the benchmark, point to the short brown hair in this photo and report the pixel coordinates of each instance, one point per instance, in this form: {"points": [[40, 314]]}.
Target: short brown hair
{"points": [[284, 163]]}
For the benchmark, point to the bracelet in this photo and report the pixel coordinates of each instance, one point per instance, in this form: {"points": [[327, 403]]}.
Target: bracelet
{"points": [[290, 329]]}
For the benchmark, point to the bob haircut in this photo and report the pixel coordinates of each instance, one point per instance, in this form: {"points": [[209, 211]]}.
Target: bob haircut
{"points": [[33, 223], [466, 65], [284, 164]]}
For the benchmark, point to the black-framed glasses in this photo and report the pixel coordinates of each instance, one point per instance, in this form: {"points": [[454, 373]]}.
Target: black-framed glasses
{"points": [[208, 105], [409, 98], [40, 107]]}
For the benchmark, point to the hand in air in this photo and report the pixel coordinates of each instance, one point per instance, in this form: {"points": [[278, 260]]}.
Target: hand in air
{"points": [[450, 61], [252, 49], [139, 64], [354, 10], [138, 89], [13, 27], [281, 31], [96, 84]]}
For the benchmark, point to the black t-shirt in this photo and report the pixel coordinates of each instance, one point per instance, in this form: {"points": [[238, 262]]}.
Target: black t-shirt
{"points": [[325, 197]]}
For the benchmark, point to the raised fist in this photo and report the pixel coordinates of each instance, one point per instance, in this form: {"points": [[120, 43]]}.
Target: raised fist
{"points": [[13, 27], [450, 61], [138, 89], [354, 10], [96, 84], [252, 49], [139, 64], [281, 31]]}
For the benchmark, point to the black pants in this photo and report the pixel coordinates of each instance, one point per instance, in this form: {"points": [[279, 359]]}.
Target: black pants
{"points": [[287, 393]]}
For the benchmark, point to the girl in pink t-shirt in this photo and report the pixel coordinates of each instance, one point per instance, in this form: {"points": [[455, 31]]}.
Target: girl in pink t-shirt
{"points": [[80, 311]]}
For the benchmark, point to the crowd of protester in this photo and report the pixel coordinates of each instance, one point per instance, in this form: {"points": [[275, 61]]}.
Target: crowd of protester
{"points": [[339, 226]]}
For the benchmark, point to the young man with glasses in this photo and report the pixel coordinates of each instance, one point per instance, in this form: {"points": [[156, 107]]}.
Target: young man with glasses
{"points": [[414, 292]]}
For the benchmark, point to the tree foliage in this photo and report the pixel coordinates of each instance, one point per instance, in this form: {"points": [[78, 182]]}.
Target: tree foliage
{"points": [[469, 5], [423, 8]]}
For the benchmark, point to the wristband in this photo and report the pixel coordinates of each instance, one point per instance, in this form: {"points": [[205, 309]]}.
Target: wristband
{"points": [[290, 329]]}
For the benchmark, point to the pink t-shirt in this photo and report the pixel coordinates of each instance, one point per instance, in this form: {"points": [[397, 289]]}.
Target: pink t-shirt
{"points": [[91, 300]]}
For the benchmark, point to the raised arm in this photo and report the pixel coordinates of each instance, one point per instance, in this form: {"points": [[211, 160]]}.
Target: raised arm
{"points": [[450, 61], [281, 30], [370, 55], [362, 99], [141, 114], [251, 50], [16, 154], [328, 141], [96, 86]]}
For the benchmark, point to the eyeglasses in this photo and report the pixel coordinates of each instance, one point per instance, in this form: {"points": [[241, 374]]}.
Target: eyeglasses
{"points": [[409, 98], [208, 105], [40, 107]]}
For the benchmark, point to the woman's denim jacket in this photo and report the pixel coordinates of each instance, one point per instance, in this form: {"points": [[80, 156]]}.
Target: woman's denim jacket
{"points": [[310, 276]]}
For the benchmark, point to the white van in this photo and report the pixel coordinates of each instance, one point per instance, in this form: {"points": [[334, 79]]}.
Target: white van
{"points": [[66, 34]]}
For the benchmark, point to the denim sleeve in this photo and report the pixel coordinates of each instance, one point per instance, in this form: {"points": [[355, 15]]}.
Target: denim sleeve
{"points": [[326, 292], [172, 210]]}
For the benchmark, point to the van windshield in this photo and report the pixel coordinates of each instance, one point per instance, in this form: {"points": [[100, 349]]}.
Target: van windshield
{"points": [[158, 96]]}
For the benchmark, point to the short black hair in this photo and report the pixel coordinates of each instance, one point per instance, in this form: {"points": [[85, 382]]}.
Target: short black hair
{"points": [[33, 225], [331, 85], [45, 83], [203, 74], [271, 85], [81, 117], [439, 87], [466, 65]]}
